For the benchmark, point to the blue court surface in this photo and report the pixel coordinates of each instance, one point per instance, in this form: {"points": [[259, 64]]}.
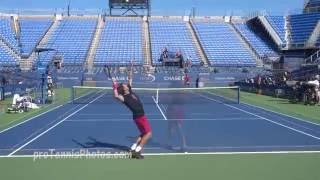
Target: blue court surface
{"points": [[210, 125]]}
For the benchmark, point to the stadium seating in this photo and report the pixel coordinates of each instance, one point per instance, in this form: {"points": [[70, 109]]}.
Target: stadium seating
{"points": [[7, 32], [120, 42], [6, 59], [278, 23], [32, 31], [256, 42], [173, 35], [302, 26], [72, 39], [221, 44], [45, 57]]}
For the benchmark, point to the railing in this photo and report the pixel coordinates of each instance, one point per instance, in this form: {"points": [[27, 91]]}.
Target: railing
{"points": [[313, 58]]}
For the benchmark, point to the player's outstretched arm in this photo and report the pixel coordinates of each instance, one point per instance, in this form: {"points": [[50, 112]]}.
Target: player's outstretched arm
{"points": [[130, 78], [129, 72], [115, 90]]}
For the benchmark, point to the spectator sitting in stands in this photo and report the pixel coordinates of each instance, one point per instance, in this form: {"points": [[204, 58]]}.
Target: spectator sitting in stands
{"points": [[164, 55], [188, 62], [316, 84]]}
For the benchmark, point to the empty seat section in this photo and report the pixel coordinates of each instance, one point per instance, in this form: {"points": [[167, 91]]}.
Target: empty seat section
{"points": [[278, 24], [7, 32], [32, 31], [302, 26], [120, 42], [255, 41], [221, 45], [72, 39]]}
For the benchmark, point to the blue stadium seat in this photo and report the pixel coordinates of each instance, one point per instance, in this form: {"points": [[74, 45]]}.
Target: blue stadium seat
{"points": [[7, 32], [120, 42], [174, 35], [45, 57], [72, 39], [278, 24], [302, 26], [6, 59], [32, 31], [256, 42], [222, 46]]}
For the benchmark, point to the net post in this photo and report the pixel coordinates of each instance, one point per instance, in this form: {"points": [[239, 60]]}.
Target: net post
{"points": [[238, 94], [157, 96], [72, 95]]}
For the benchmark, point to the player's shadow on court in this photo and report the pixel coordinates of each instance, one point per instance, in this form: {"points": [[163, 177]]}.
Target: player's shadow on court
{"points": [[94, 143], [155, 144]]}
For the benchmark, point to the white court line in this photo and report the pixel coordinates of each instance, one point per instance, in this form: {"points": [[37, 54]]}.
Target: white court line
{"points": [[281, 114], [176, 147], [193, 119], [288, 127], [47, 125], [164, 116], [31, 118], [111, 114], [24, 145], [167, 154], [38, 115]]}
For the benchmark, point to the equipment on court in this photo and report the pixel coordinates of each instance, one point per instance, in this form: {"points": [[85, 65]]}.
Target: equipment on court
{"points": [[228, 95]]}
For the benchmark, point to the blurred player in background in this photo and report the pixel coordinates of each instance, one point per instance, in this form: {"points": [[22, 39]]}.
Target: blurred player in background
{"points": [[175, 114]]}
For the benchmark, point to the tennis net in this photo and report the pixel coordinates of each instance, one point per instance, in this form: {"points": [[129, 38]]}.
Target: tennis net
{"points": [[228, 95]]}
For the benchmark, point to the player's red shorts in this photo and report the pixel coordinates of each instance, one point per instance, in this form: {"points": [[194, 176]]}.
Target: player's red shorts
{"points": [[143, 124]]}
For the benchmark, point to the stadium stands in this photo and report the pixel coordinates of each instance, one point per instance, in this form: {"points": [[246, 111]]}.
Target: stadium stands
{"points": [[7, 32], [174, 35], [72, 39], [256, 42], [45, 57], [122, 39], [302, 26], [120, 42], [6, 59], [32, 31], [278, 23], [221, 44]]}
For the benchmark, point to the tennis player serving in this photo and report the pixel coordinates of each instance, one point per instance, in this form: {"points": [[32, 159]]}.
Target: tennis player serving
{"points": [[123, 92]]}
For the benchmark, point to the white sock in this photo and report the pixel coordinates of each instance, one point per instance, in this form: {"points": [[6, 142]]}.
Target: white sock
{"points": [[134, 146], [138, 148]]}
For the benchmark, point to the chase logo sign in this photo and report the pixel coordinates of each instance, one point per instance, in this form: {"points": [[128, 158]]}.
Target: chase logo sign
{"points": [[120, 78], [173, 78]]}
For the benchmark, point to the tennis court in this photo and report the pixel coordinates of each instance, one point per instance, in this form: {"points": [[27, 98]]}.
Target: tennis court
{"points": [[205, 123]]}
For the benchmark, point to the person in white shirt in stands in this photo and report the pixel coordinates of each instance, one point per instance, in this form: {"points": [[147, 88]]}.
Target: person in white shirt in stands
{"points": [[316, 84], [50, 85]]}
